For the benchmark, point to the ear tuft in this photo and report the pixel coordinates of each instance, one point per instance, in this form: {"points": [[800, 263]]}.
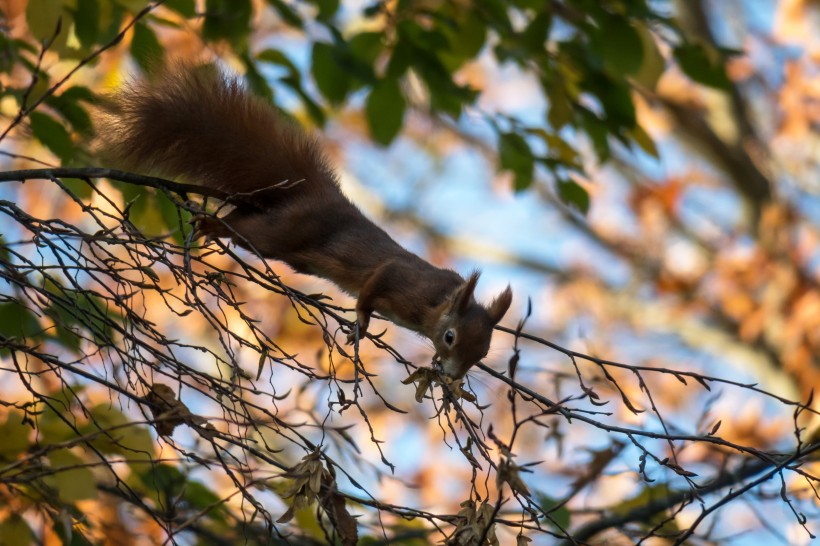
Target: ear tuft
{"points": [[464, 293], [500, 304]]}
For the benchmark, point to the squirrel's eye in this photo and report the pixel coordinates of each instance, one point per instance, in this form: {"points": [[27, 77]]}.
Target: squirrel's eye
{"points": [[449, 337]]}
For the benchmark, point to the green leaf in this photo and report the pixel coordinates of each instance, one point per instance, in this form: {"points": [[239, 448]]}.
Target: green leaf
{"points": [[162, 483], [616, 98], [558, 519], [313, 109], [132, 5], [327, 71], [653, 64], [186, 8], [228, 20], [78, 93], [400, 59], [498, 16], [274, 56], [68, 104], [256, 82], [596, 130], [472, 34], [327, 9], [133, 441], [111, 15], [14, 436], [702, 65], [14, 531], [294, 81], [72, 481], [199, 496], [18, 321], [515, 155], [573, 195], [175, 218], [43, 16], [534, 37], [366, 46], [560, 108], [53, 135], [287, 13], [66, 325], [52, 427], [86, 22], [72, 315], [647, 496], [621, 45], [466, 34], [642, 139], [385, 111], [145, 48]]}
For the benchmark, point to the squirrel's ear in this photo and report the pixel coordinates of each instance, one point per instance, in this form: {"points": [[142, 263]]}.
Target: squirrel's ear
{"points": [[464, 294], [500, 305]]}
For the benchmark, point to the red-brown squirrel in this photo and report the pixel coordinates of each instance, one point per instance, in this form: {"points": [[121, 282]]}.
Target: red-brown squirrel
{"points": [[201, 125]]}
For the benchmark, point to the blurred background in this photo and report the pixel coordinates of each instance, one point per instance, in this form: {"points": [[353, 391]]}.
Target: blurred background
{"points": [[643, 173]]}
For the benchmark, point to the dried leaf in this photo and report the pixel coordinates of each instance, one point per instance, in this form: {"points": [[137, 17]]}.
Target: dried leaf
{"points": [[509, 473], [344, 523], [287, 516]]}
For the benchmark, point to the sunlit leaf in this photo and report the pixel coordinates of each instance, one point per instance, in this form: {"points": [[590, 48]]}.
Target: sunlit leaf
{"points": [[14, 531], [653, 63], [14, 436], [72, 480], [42, 17], [642, 139], [79, 188], [133, 441]]}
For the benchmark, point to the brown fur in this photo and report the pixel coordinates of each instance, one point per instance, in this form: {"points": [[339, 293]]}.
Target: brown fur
{"points": [[200, 125]]}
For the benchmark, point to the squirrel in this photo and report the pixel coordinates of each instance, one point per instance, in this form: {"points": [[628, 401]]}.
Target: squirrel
{"points": [[199, 124]]}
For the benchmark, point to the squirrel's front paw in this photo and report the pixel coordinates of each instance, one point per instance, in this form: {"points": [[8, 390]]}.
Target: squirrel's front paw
{"points": [[358, 331], [210, 227], [355, 333]]}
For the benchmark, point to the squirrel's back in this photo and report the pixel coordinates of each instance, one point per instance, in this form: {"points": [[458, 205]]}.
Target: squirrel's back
{"points": [[204, 126]]}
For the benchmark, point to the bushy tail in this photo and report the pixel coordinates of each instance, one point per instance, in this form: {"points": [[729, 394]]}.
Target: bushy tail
{"points": [[202, 126]]}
